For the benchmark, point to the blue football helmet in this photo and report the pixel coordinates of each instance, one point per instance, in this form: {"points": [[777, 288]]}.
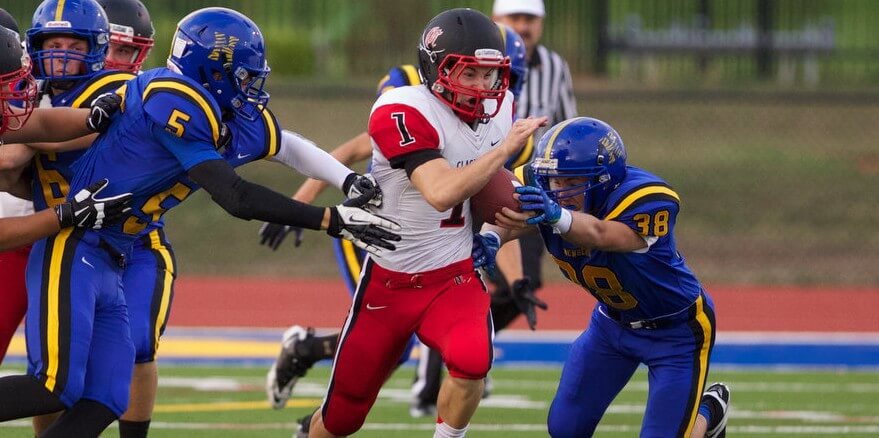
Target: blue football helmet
{"points": [[581, 147], [223, 50], [514, 48], [83, 19]]}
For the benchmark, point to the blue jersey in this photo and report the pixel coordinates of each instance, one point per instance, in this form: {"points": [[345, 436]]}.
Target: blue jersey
{"points": [[643, 285], [52, 173], [168, 124], [253, 140]]}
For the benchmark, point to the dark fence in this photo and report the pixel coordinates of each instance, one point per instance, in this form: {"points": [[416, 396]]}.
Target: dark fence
{"points": [[713, 42]]}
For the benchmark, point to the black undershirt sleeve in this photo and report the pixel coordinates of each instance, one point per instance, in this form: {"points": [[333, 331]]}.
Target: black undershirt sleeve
{"points": [[247, 200], [412, 160]]}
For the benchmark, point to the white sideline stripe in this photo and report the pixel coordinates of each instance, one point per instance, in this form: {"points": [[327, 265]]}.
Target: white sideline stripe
{"points": [[737, 430]]}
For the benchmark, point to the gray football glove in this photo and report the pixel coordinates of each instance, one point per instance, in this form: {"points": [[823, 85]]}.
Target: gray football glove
{"points": [[356, 186]]}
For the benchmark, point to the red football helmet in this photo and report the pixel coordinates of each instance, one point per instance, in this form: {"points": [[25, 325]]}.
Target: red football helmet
{"points": [[130, 25], [18, 89]]}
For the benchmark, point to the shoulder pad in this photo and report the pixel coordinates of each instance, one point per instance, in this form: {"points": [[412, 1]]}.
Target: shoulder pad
{"points": [[253, 140], [648, 196], [183, 108], [104, 82]]}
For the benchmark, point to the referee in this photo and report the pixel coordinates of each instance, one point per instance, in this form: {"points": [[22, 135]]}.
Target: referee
{"points": [[547, 92]]}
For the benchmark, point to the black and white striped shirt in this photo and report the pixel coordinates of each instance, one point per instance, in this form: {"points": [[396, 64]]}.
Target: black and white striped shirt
{"points": [[548, 90]]}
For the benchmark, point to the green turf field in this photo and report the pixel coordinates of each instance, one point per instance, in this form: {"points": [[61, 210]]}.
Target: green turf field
{"points": [[229, 402]]}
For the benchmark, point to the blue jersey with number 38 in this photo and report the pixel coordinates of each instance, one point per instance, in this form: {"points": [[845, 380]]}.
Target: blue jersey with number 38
{"points": [[640, 285], [168, 124]]}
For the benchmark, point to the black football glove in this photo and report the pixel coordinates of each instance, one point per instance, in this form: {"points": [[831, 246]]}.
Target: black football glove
{"points": [[272, 235], [523, 296], [86, 210], [356, 186], [103, 108], [366, 230]]}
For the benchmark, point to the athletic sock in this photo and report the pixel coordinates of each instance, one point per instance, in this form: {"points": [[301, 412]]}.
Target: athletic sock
{"points": [[25, 396], [711, 410], [443, 430], [134, 429], [86, 419]]}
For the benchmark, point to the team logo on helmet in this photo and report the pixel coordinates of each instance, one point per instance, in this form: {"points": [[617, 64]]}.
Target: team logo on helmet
{"points": [[223, 45], [611, 143], [431, 36]]}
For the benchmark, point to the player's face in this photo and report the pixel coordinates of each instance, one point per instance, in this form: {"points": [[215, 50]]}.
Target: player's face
{"points": [[479, 78], [57, 64], [570, 191], [122, 53], [529, 27]]}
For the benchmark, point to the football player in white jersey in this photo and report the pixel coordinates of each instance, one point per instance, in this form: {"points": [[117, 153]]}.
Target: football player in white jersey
{"points": [[435, 146]]}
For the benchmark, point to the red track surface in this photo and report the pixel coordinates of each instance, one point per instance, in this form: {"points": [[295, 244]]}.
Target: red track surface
{"points": [[261, 302]]}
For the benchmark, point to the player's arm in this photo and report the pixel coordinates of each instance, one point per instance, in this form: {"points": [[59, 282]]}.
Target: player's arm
{"points": [[20, 231], [305, 157], [63, 124], [15, 156], [352, 151], [85, 210], [247, 200]]}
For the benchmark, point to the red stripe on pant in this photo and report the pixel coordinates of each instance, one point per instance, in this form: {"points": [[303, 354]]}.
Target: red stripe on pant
{"points": [[449, 310], [13, 294]]}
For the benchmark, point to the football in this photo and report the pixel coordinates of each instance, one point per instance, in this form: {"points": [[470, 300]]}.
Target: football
{"points": [[497, 194]]}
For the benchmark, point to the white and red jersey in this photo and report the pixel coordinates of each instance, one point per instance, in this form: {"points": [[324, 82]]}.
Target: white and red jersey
{"points": [[411, 119], [11, 206]]}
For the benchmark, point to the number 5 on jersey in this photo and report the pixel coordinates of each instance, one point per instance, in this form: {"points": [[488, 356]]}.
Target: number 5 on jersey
{"points": [[175, 122]]}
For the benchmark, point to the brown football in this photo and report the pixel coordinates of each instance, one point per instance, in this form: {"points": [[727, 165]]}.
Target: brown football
{"points": [[497, 194]]}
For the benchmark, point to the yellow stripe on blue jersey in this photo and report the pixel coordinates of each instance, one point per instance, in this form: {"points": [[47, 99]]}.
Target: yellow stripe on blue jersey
{"points": [[95, 88], [519, 171], [525, 154], [411, 74], [638, 194], [179, 87], [272, 138]]}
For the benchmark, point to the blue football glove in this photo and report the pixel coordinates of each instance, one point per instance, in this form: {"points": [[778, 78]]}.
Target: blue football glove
{"points": [[535, 199], [485, 248]]}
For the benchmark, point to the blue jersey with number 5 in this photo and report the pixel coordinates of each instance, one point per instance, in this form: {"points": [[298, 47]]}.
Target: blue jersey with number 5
{"points": [[640, 285], [168, 124]]}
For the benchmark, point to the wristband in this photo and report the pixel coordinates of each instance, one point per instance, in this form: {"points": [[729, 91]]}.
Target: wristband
{"points": [[65, 214], [563, 225]]}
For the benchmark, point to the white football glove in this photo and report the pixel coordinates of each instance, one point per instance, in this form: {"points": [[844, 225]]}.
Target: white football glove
{"points": [[367, 231], [359, 186]]}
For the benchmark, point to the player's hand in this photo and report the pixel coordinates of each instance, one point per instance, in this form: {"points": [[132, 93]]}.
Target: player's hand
{"points": [[272, 235], [103, 108], [519, 133], [357, 186], [523, 296], [485, 247], [86, 210], [366, 230], [535, 199]]}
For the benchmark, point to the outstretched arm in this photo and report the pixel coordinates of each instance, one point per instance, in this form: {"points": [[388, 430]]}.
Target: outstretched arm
{"points": [[51, 125], [20, 231], [352, 151]]}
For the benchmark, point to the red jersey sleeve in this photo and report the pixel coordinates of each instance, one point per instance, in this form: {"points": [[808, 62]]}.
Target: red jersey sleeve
{"points": [[399, 129]]}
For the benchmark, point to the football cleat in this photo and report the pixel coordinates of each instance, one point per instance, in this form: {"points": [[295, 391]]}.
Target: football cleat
{"points": [[292, 363], [719, 392]]}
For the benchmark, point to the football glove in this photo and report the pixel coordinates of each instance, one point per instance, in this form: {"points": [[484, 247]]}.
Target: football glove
{"points": [[103, 108], [358, 185], [366, 230], [523, 296], [485, 247], [86, 210], [272, 235], [225, 138], [535, 199]]}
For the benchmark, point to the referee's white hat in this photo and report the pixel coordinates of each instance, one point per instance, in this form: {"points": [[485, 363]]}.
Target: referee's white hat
{"points": [[508, 7]]}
